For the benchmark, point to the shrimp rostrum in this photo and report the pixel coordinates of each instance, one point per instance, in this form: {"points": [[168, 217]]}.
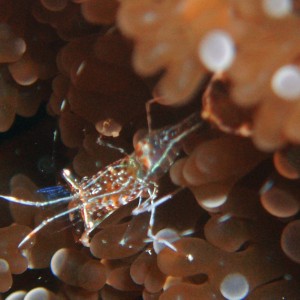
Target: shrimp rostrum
{"points": [[132, 177]]}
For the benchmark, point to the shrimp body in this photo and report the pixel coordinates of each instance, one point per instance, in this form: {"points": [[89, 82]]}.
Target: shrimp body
{"points": [[135, 176]]}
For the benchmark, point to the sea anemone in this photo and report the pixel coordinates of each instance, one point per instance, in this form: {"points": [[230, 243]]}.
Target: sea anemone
{"points": [[231, 230]]}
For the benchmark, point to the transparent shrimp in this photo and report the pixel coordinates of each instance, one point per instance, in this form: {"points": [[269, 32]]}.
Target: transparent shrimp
{"points": [[135, 176]]}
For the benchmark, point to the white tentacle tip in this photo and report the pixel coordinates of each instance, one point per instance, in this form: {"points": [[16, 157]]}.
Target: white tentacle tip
{"points": [[277, 8], [285, 82], [217, 50]]}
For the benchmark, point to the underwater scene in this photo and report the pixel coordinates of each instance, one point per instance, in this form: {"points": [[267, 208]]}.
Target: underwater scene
{"points": [[149, 149]]}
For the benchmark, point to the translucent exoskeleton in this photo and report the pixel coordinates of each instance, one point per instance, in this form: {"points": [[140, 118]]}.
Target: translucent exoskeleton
{"points": [[135, 176]]}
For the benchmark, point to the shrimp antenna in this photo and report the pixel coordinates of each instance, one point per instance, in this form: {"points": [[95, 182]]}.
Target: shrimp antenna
{"points": [[36, 203], [45, 223]]}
